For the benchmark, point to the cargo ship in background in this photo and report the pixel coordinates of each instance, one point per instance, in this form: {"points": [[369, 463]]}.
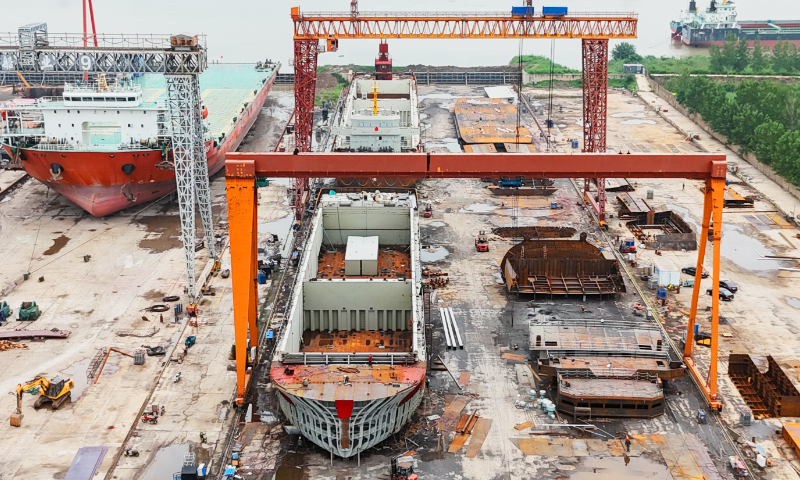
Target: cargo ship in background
{"points": [[350, 362], [379, 113], [712, 27], [106, 146]]}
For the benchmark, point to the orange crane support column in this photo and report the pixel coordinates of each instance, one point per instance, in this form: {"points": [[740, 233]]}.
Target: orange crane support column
{"points": [[712, 208], [242, 228]]}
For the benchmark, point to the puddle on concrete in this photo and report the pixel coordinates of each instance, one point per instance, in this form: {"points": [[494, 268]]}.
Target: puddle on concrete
{"points": [[616, 467], [110, 369], [479, 208], [279, 227], [437, 224], [77, 372], [684, 213], [744, 250], [497, 277], [793, 302], [166, 461], [628, 114], [164, 233], [291, 468], [433, 254], [154, 295], [104, 334], [58, 244], [423, 116], [638, 122]]}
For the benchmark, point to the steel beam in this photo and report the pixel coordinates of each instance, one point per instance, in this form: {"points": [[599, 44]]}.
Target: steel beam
{"points": [[481, 165], [595, 113], [382, 25], [241, 169]]}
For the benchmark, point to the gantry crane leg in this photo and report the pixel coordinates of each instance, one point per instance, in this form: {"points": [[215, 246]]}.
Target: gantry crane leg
{"points": [[305, 83], [180, 95], [242, 226], [200, 169], [712, 209], [595, 111]]}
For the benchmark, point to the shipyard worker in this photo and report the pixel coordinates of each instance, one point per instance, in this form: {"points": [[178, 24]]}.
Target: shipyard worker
{"points": [[627, 443], [370, 360]]}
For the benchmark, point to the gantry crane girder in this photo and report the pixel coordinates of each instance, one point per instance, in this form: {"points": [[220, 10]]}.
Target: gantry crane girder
{"points": [[594, 28], [180, 58], [380, 25], [241, 170]]}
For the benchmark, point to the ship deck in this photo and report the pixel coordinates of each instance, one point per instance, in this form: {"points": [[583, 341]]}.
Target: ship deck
{"points": [[392, 262], [226, 90], [347, 341]]}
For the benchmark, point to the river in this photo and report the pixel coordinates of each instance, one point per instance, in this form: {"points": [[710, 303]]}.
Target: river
{"points": [[251, 30]]}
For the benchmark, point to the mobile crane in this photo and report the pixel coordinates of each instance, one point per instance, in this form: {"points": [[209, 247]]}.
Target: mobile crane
{"points": [[56, 391]]}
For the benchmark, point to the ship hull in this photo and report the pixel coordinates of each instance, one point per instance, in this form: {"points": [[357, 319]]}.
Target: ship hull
{"points": [[705, 37], [342, 426], [376, 182], [96, 182]]}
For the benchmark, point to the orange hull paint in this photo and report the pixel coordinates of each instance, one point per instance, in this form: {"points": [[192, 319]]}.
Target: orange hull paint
{"points": [[95, 180]]}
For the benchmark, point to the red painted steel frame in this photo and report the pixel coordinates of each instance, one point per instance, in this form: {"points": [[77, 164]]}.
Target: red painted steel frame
{"points": [[305, 84], [595, 112], [241, 169]]}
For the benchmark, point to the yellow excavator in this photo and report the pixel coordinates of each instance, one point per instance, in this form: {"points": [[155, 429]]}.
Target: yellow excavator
{"points": [[56, 391]]}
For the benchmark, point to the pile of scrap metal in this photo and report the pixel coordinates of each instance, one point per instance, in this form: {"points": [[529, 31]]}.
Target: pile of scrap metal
{"points": [[561, 267]]}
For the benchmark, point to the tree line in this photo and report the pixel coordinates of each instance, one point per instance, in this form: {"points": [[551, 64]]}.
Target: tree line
{"points": [[760, 116]]}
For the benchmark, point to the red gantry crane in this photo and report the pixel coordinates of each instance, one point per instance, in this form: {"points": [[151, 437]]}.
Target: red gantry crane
{"points": [[242, 169], [595, 29]]}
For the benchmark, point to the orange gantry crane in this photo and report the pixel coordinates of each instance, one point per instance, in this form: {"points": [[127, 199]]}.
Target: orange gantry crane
{"points": [[242, 169], [595, 29]]}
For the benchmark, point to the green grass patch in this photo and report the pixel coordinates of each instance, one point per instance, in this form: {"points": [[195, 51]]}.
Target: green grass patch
{"points": [[540, 64], [331, 95]]}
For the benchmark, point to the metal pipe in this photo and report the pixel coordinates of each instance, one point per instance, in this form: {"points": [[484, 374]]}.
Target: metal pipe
{"points": [[445, 326], [455, 327]]}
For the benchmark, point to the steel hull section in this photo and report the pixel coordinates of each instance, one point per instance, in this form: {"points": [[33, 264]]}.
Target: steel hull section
{"points": [[366, 425], [376, 182], [95, 181], [705, 37]]}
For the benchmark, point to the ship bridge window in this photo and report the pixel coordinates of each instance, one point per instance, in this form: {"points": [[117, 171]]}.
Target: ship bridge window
{"points": [[130, 99]]}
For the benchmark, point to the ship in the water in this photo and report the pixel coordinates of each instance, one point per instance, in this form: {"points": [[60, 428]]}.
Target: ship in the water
{"points": [[379, 114], [106, 145], [349, 366], [712, 27]]}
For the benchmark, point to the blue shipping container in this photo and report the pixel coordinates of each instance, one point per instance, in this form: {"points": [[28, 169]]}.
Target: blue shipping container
{"points": [[521, 10], [547, 11]]}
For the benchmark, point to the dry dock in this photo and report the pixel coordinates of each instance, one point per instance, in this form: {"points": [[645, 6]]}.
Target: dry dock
{"points": [[476, 421]]}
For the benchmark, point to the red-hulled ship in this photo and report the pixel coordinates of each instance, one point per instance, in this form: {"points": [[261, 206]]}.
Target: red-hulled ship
{"points": [[106, 146]]}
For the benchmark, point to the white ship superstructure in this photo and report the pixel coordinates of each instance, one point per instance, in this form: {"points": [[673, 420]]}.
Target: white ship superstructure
{"points": [[379, 116]]}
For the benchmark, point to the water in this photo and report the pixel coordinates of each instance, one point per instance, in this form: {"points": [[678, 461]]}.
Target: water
{"points": [[433, 254], [744, 250], [252, 31], [77, 372], [166, 461]]}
